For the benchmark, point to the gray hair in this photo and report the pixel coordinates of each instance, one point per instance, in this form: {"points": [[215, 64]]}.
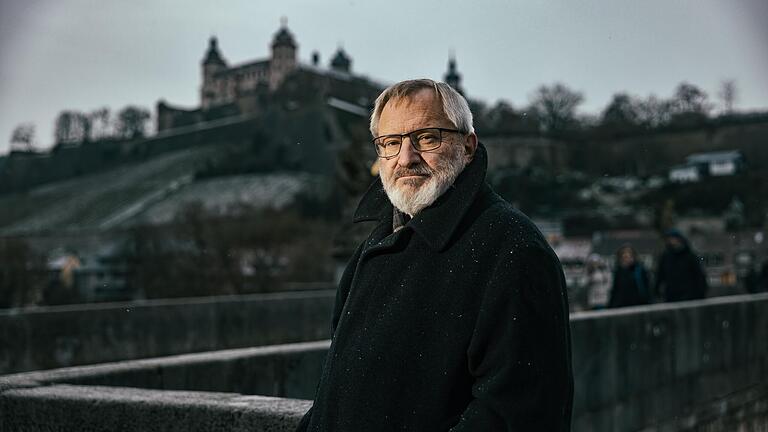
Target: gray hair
{"points": [[454, 104]]}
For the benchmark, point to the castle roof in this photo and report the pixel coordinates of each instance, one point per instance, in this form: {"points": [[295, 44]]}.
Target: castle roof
{"points": [[212, 56], [341, 61], [283, 37], [714, 157]]}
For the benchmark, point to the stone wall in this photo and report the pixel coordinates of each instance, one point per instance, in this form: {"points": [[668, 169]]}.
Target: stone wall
{"points": [[220, 390], [286, 370], [699, 365], [57, 336], [646, 367], [86, 409]]}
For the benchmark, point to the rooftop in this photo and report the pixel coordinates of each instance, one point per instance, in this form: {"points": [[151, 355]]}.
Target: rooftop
{"points": [[720, 156]]}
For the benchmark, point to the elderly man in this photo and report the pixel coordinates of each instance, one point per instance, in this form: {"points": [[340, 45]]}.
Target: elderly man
{"points": [[452, 315]]}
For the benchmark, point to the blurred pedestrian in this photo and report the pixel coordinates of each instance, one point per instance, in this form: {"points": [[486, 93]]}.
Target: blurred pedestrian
{"points": [[762, 280], [679, 275], [751, 280], [630, 285], [598, 282]]}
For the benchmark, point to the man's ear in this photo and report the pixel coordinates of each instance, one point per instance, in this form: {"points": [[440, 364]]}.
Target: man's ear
{"points": [[470, 145]]}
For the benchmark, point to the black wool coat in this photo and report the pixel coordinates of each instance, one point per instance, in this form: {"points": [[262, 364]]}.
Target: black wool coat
{"points": [[630, 286], [458, 321], [681, 275]]}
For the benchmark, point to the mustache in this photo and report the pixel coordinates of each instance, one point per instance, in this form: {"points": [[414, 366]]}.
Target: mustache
{"points": [[417, 170]]}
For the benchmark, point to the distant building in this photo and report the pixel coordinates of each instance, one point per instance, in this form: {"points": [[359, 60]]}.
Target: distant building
{"points": [[722, 163], [224, 84], [699, 165], [684, 174], [246, 89]]}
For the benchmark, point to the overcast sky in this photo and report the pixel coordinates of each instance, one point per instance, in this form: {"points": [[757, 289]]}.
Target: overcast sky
{"points": [[84, 54]]}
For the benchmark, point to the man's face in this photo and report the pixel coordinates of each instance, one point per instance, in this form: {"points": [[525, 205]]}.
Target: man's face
{"points": [[626, 258], [414, 180], [674, 243]]}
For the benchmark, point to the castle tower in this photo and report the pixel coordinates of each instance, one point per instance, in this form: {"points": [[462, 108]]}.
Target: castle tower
{"points": [[283, 58], [212, 63], [452, 77], [341, 61]]}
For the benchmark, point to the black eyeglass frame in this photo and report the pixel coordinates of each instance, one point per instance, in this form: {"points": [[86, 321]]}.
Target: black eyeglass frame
{"points": [[410, 135]]}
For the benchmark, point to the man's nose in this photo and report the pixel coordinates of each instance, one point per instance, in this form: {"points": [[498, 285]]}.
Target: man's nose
{"points": [[408, 156]]}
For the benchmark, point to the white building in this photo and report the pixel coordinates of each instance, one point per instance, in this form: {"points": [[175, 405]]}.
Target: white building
{"points": [[684, 174], [698, 165]]}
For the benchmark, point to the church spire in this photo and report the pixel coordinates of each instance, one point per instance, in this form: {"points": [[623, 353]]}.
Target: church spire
{"points": [[452, 76]]}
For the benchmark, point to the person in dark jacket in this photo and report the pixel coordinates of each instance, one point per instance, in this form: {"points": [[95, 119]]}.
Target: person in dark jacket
{"points": [[453, 314], [679, 275], [762, 280], [630, 286]]}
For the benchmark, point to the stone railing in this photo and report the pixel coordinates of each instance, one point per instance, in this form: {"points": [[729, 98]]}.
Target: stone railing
{"points": [[700, 364], [653, 366], [78, 408], [59, 336]]}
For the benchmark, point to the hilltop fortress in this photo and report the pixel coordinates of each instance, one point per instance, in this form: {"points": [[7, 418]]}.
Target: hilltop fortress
{"points": [[281, 113], [268, 104], [246, 88]]}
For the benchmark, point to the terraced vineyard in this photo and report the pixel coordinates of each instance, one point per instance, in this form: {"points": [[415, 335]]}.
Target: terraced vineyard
{"points": [[101, 200], [151, 192]]}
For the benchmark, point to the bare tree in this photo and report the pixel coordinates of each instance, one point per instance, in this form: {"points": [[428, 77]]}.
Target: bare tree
{"points": [[63, 126], [556, 107], [503, 118], [728, 94], [621, 113], [71, 127], [653, 112], [100, 120], [23, 137], [247, 250], [132, 122], [690, 99], [86, 126]]}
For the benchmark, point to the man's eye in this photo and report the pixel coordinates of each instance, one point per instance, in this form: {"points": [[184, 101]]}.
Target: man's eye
{"points": [[390, 142], [427, 137]]}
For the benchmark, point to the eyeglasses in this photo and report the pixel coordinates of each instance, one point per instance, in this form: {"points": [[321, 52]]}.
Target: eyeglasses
{"points": [[422, 140]]}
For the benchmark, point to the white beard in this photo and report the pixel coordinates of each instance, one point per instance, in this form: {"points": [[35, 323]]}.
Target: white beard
{"points": [[410, 199]]}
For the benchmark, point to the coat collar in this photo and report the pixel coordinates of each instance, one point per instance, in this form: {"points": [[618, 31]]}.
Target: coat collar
{"points": [[436, 223]]}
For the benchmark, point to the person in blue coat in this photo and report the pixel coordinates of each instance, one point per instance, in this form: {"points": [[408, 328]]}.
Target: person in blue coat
{"points": [[452, 315]]}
